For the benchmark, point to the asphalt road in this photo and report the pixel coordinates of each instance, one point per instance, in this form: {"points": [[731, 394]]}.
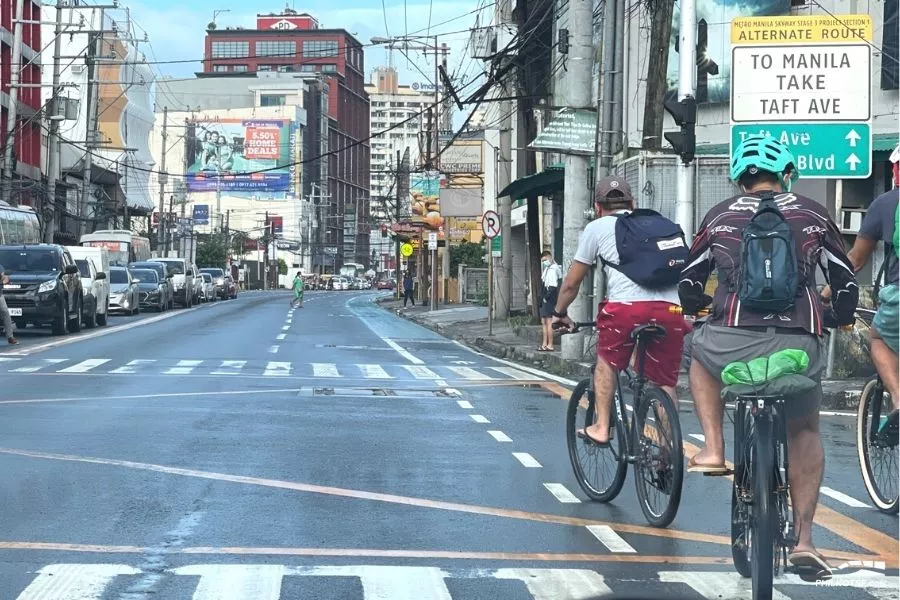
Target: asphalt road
{"points": [[241, 451]]}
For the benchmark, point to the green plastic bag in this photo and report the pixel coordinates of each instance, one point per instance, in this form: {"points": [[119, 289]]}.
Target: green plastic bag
{"points": [[760, 370]]}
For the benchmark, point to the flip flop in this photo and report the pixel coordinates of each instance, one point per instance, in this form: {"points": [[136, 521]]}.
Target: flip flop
{"points": [[583, 434], [812, 566], [693, 467]]}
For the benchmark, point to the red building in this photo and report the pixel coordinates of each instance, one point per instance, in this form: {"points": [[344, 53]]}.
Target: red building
{"points": [[27, 135], [293, 42]]}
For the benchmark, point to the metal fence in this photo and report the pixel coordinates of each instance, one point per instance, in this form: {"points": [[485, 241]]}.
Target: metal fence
{"points": [[475, 284]]}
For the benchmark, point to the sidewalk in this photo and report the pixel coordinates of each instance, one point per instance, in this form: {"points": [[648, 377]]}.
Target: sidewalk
{"points": [[519, 342]]}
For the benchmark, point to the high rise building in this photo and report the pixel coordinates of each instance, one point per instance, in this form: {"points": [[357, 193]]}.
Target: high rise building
{"points": [[293, 42]]}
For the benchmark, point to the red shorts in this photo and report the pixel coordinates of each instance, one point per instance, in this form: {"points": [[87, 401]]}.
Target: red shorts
{"points": [[616, 320]]}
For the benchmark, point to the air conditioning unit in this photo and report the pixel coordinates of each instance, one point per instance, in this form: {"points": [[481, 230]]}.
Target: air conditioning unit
{"points": [[851, 219], [77, 69], [484, 43]]}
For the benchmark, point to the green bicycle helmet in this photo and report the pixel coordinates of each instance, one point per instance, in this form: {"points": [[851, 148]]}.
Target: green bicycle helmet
{"points": [[763, 153]]}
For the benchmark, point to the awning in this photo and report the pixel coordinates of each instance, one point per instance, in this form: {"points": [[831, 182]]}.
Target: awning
{"points": [[546, 182], [884, 142]]}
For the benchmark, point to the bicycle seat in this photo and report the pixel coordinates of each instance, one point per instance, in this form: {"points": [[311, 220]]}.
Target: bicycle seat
{"points": [[650, 331], [784, 387]]}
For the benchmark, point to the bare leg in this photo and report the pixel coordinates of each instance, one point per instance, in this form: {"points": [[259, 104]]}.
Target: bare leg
{"points": [[710, 409], [887, 365], [549, 328], [807, 463], [545, 327], [604, 390]]}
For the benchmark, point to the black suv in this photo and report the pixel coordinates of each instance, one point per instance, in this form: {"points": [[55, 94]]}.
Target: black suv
{"points": [[44, 286]]}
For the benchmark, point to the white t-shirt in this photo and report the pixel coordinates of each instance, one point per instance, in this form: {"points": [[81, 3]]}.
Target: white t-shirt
{"points": [[598, 240], [551, 275]]}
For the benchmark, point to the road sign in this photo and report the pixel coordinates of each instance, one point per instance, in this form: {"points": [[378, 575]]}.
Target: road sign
{"points": [[406, 250], [807, 82], [490, 224], [432, 240], [820, 149], [497, 246]]}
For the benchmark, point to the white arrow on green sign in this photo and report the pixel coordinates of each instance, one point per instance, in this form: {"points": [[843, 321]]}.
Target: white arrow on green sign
{"points": [[822, 150]]}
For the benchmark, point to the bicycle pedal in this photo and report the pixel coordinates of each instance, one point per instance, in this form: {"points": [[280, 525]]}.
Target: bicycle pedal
{"points": [[724, 473]]}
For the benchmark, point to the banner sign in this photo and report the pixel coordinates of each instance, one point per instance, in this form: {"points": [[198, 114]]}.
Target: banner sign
{"points": [[201, 214]]}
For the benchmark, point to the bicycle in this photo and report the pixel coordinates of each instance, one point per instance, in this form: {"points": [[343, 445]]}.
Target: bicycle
{"points": [[633, 441], [877, 439]]}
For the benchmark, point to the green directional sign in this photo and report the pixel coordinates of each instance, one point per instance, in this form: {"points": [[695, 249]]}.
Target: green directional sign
{"points": [[496, 245], [822, 150]]}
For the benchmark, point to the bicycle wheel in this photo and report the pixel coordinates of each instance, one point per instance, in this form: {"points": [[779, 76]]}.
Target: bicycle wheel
{"points": [[877, 454], [763, 520], [740, 511], [659, 468], [600, 471]]}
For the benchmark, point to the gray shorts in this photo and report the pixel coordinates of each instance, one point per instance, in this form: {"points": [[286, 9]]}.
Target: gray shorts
{"points": [[714, 346]]}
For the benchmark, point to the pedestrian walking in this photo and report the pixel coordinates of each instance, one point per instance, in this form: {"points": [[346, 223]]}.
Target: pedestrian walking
{"points": [[4, 310], [408, 289], [298, 287]]}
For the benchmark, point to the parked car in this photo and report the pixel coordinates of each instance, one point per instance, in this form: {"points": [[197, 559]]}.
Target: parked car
{"points": [[166, 279], [231, 288], [44, 287], [385, 284], [149, 288], [182, 273], [94, 294], [209, 288], [218, 277], [198, 283], [123, 296], [99, 287]]}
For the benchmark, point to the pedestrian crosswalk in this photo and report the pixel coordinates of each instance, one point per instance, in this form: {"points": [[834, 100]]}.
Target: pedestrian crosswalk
{"points": [[383, 582], [266, 368]]}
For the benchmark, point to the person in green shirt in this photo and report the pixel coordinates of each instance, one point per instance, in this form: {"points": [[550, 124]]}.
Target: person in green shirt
{"points": [[298, 290]]}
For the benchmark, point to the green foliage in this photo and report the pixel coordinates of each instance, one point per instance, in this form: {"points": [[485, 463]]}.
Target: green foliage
{"points": [[466, 253], [211, 252], [282, 267]]}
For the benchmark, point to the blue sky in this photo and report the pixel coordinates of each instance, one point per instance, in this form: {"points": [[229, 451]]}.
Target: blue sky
{"points": [[176, 29]]}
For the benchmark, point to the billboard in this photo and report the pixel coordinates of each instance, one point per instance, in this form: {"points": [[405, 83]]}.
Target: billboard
{"points": [[425, 195], [461, 202], [201, 214], [241, 155], [717, 15]]}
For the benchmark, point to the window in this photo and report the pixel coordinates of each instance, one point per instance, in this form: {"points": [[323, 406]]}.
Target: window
{"points": [[272, 100], [230, 49], [220, 68], [239, 68], [307, 68], [329, 68], [276, 48], [284, 68], [264, 68], [317, 48]]}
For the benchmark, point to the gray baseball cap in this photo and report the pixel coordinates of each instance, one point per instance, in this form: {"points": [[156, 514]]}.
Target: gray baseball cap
{"points": [[612, 184]]}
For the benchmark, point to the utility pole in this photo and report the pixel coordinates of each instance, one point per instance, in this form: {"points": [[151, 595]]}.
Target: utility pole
{"points": [[163, 176], [53, 139], [502, 300], [12, 113], [685, 113], [91, 129], [576, 175], [660, 31], [397, 233]]}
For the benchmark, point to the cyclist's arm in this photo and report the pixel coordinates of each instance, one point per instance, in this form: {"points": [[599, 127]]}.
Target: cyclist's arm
{"points": [[841, 275], [861, 252], [568, 291], [692, 286]]}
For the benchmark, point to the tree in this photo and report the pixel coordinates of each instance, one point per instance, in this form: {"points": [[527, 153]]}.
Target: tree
{"points": [[282, 267], [466, 253], [211, 253]]}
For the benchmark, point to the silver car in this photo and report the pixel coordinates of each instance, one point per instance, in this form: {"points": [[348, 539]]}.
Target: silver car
{"points": [[123, 292], [209, 288]]}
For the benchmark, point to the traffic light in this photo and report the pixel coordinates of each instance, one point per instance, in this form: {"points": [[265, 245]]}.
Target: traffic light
{"points": [[684, 113], [705, 65]]}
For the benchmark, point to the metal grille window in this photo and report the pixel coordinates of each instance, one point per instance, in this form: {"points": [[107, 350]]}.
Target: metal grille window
{"points": [[272, 100], [276, 48], [220, 68], [230, 49], [329, 68], [317, 48], [307, 68], [239, 68]]}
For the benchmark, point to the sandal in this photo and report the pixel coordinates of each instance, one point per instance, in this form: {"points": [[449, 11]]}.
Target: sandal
{"points": [[693, 467], [583, 434], [811, 566]]}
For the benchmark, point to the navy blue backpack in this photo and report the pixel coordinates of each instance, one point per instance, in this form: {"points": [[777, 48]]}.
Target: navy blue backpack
{"points": [[652, 249]]}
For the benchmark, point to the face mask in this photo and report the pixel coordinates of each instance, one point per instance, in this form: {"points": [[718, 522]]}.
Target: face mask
{"points": [[545, 263]]}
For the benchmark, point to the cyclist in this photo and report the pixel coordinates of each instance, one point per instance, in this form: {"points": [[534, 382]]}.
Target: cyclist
{"points": [[762, 166], [298, 286], [627, 305]]}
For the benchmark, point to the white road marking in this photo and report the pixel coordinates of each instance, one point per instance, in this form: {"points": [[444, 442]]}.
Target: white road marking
{"points": [[277, 369], [509, 363], [325, 370], [235, 582], [273, 349], [555, 584], [514, 373], [280, 336], [130, 367], [73, 582], [85, 365], [469, 373], [403, 352], [184, 367], [562, 493], [527, 460], [286, 328], [453, 392], [421, 372], [479, 418], [464, 404], [698, 436], [499, 436], [842, 497], [230, 367], [717, 585], [46, 362], [440, 382], [289, 321], [609, 538], [389, 582], [374, 372]]}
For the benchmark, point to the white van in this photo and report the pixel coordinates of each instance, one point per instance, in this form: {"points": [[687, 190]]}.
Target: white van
{"points": [[97, 286]]}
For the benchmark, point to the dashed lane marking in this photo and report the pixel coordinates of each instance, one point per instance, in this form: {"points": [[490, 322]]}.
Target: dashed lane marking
{"points": [[609, 538], [230, 367], [562, 493], [325, 370], [499, 436], [184, 367], [479, 418], [527, 460], [45, 362], [843, 498], [464, 404]]}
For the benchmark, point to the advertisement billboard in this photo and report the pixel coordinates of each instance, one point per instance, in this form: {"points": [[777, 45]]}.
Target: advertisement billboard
{"points": [[425, 195], [241, 155], [201, 214]]}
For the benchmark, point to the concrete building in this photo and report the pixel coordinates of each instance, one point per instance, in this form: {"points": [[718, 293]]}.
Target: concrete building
{"points": [[293, 42], [105, 132], [27, 149]]}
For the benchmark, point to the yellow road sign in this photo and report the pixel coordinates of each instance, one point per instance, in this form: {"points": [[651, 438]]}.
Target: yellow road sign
{"points": [[810, 29], [406, 250]]}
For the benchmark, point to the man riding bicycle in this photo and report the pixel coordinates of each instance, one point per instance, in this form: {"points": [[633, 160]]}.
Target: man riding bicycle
{"points": [[628, 304], [765, 170]]}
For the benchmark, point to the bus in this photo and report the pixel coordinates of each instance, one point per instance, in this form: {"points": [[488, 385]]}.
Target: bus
{"points": [[18, 225], [124, 246], [353, 270]]}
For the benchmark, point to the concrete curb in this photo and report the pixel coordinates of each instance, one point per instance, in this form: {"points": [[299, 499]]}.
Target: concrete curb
{"points": [[838, 395]]}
